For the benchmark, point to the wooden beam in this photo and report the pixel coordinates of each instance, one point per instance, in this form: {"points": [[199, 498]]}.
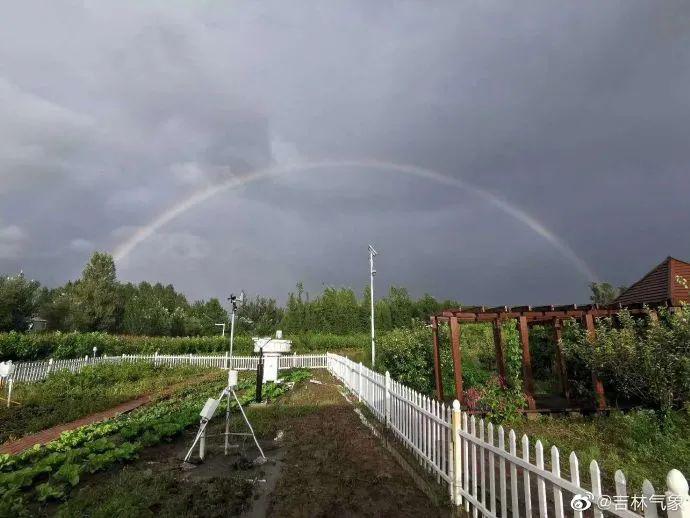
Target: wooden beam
{"points": [[457, 357], [561, 370], [437, 360], [527, 377], [500, 346], [588, 320]]}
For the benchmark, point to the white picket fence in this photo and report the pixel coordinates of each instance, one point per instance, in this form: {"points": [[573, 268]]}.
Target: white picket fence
{"points": [[479, 465], [482, 468], [36, 371]]}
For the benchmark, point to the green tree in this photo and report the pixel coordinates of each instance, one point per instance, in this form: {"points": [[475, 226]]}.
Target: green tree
{"points": [[401, 307], [604, 293], [209, 314], [260, 316], [19, 300], [425, 307], [96, 304], [382, 316], [56, 307]]}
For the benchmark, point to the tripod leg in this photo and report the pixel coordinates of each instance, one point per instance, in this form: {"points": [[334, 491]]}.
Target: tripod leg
{"points": [[202, 445], [227, 426], [249, 425], [202, 429]]}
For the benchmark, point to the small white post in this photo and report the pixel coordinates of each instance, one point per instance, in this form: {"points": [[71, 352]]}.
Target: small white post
{"points": [[388, 399], [50, 365], [227, 360], [677, 499], [455, 426], [359, 390], [9, 392]]}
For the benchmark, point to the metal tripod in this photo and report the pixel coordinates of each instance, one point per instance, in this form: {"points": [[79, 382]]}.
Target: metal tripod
{"points": [[201, 434]]}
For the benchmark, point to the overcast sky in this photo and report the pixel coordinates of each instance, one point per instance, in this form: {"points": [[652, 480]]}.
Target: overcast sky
{"points": [[573, 114]]}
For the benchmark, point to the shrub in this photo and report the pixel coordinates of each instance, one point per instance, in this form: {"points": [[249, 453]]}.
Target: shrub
{"points": [[648, 362], [498, 401], [322, 342], [407, 355], [35, 346]]}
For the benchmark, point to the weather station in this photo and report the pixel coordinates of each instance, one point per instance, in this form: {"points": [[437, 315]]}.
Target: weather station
{"points": [[207, 413]]}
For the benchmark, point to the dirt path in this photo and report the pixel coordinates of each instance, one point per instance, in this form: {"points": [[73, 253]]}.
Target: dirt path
{"points": [[334, 466], [50, 434]]}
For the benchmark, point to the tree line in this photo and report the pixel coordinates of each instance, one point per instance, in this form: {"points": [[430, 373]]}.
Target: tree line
{"points": [[97, 301]]}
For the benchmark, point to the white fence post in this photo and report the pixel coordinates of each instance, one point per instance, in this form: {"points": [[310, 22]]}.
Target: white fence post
{"points": [[387, 402], [9, 392], [50, 366], [457, 453], [677, 499], [359, 389]]}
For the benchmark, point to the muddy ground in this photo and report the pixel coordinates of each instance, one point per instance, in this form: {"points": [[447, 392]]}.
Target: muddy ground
{"points": [[322, 461]]}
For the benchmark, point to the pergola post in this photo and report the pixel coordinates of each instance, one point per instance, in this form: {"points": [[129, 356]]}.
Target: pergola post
{"points": [[598, 385], [457, 357], [527, 377], [561, 370], [499, 345], [437, 360]]}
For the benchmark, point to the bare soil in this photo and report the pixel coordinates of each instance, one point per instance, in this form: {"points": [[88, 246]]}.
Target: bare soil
{"points": [[334, 466], [324, 463]]}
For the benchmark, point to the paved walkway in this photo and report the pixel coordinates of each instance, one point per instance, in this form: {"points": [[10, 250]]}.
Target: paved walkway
{"points": [[53, 433]]}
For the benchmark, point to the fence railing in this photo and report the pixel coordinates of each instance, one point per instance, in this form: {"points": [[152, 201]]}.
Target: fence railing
{"points": [[482, 469], [27, 372]]}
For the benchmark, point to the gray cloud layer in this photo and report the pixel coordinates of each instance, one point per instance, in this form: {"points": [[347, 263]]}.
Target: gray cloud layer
{"points": [[576, 112]]}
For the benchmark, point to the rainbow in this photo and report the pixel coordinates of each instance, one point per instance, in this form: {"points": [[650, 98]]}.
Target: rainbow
{"points": [[142, 234]]}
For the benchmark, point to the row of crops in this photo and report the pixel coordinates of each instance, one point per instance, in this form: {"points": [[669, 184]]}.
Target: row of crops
{"points": [[48, 472]]}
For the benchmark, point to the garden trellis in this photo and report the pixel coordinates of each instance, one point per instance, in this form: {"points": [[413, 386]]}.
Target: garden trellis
{"points": [[658, 289], [485, 469]]}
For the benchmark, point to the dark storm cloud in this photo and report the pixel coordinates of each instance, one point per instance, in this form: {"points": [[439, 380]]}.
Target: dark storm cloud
{"points": [[575, 112]]}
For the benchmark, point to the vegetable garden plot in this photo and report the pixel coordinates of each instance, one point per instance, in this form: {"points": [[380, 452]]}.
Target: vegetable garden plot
{"points": [[44, 474]]}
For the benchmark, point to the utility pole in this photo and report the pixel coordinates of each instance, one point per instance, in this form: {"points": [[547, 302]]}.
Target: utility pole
{"points": [[372, 272]]}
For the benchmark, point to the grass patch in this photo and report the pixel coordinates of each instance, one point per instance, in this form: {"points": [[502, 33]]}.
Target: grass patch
{"points": [[638, 443]]}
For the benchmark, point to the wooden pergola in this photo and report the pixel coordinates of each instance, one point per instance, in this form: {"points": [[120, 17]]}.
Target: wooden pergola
{"points": [[526, 316]]}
